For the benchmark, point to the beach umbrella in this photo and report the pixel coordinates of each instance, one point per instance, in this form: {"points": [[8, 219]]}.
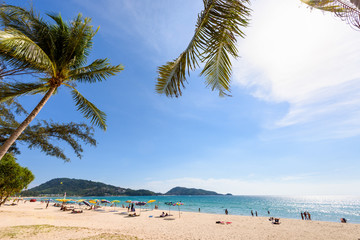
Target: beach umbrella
{"points": [[105, 201], [151, 201], [128, 201], [169, 204], [114, 202], [86, 203], [140, 204], [178, 204]]}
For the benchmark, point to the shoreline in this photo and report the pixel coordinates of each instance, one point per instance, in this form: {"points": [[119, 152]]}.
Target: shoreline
{"points": [[212, 211], [26, 216]]}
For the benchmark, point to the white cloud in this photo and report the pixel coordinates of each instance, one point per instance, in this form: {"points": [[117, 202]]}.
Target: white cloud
{"points": [[289, 185], [307, 59]]}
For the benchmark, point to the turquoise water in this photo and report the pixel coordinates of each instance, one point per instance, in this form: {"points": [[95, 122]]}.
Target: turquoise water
{"points": [[321, 208]]}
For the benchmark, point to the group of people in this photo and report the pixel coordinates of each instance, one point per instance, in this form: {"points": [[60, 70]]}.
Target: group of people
{"points": [[305, 216], [252, 213]]}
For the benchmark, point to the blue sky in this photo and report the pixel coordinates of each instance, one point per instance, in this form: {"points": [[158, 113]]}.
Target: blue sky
{"points": [[291, 126]]}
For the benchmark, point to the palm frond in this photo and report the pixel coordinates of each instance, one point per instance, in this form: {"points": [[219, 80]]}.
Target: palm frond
{"points": [[218, 71], [222, 44], [97, 71], [20, 19], [20, 51], [347, 10], [89, 110], [12, 90], [215, 35], [73, 41]]}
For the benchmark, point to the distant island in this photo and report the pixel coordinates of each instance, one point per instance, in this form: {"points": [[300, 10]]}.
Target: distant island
{"points": [[84, 188], [79, 187], [189, 191]]}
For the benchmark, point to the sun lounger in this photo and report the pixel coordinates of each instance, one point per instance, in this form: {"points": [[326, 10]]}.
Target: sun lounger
{"points": [[77, 211], [133, 215]]}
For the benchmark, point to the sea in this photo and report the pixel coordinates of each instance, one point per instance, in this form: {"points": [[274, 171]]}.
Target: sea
{"points": [[321, 208]]}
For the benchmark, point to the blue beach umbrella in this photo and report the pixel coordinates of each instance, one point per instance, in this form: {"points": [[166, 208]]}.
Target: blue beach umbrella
{"points": [[140, 204], [169, 204], [105, 201]]}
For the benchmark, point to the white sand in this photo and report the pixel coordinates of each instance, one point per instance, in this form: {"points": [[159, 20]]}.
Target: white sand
{"points": [[91, 224]]}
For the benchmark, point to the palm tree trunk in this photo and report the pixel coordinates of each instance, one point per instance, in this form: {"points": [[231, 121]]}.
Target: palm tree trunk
{"points": [[5, 147]]}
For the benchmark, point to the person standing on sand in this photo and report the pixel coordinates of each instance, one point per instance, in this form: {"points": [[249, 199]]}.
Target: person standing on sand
{"points": [[226, 212], [302, 215], [305, 216], [309, 216], [252, 213], [255, 213], [199, 209]]}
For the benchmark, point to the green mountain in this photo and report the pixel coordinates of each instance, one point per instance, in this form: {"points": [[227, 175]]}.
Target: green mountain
{"points": [[189, 191], [78, 187]]}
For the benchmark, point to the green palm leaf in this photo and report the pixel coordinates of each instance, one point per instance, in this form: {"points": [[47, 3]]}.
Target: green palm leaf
{"points": [[347, 10], [97, 71], [22, 52], [217, 28], [12, 90], [89, 110]]}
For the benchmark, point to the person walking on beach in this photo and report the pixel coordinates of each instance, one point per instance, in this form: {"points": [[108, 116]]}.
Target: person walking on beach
{"points": [[199, 209], [255, 213], [309, 216], [226, 212], [302, 216], [252, 213], [305, 215]]}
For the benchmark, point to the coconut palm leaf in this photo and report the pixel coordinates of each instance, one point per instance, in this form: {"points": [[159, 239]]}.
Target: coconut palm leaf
{"points": [[215, 35], [97, 71], [347, 10], [218, 64], [12, 90], [89, 110], [22, 52]]}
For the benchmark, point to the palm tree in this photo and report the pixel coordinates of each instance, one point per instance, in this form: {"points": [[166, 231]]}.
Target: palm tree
{"points": [[217, 29], [58, 52], [347, 10]]}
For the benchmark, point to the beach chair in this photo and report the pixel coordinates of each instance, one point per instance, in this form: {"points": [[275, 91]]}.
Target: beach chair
{"points": [[276, 221], [77, 211]]}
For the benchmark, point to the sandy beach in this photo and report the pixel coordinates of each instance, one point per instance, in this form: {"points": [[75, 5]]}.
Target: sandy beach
{"points": [[34, 221]]}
